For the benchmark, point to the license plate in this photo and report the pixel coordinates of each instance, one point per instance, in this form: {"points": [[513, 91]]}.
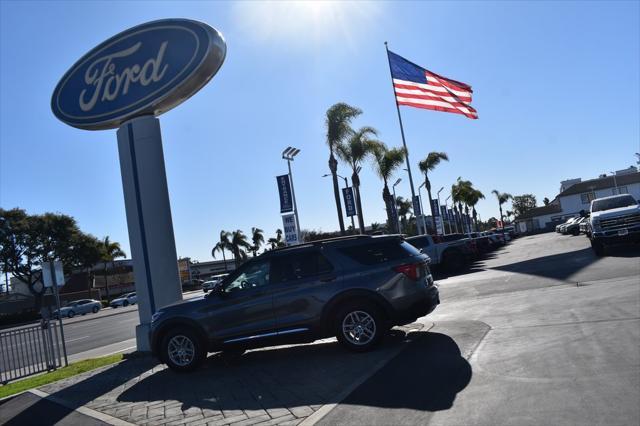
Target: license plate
{"points": [[623, 232]]}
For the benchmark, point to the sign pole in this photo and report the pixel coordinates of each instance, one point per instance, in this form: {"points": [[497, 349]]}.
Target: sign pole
{"points": [[404, 143], [54, 278], [146, 200]]}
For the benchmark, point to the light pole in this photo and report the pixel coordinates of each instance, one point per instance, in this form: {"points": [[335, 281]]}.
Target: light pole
{"points": [[438, 209], [446, 209], [424, 222], [395, 205], [615, 183], [346, 185], [288, 155]]}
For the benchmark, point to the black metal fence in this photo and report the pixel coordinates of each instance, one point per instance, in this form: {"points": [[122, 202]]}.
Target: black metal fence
{"points": [[30, 350]]}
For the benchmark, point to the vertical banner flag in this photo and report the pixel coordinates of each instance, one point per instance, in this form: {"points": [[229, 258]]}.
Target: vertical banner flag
{"points": [[420, 88], [349, 202], [284, 188], [290, 229], [434, 207], [439, 226], [443, 212], [417, 212]]}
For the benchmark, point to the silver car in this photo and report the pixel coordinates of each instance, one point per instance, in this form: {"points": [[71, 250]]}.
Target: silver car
{"points": [[126, 300], [82, 306]]}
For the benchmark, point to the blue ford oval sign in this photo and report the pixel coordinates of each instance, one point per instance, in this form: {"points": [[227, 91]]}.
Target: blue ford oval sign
{"points": [[145, 70]]}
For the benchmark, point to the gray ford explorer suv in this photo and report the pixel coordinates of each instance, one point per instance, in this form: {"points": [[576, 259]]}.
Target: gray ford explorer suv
{"points": [[355, 288]]}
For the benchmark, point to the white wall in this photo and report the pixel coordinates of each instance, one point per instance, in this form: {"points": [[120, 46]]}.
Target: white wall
{"points": [[573, 203]]}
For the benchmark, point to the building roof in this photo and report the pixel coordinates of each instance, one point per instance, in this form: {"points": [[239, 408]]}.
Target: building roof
{"points": [[601, 183], [551, 208]]}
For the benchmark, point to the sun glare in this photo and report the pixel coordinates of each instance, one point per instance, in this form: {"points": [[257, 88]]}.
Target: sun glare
{"points": [[304, 21]]}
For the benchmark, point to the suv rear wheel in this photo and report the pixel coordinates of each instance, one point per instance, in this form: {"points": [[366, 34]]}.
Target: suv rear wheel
{"points": [[598, 248], [360, 326], [182, 350]]}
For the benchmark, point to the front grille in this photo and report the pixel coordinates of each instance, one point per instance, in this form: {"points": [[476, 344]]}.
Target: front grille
{"points": [[621, 222]]}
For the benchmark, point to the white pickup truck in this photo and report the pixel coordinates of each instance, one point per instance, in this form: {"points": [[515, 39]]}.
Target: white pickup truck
{"points": [[614, 220]]}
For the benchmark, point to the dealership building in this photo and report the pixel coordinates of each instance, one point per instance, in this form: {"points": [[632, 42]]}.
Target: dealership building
{"points": [[575, 198]]}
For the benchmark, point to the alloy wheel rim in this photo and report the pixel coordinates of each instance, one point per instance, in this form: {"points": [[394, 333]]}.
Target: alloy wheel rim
{"points": [[181, 350], [359, 328]]}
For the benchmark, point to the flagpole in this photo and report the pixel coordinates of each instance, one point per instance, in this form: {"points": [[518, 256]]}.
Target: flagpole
{"points": [[404, 143]]}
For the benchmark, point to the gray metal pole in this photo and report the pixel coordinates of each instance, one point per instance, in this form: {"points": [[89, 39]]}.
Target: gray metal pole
{"points": [[424, 221], [346, 185], [404, 143], [295, 205], [57, 296]]}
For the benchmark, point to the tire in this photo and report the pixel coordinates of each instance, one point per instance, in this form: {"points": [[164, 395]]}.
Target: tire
{"points": [[125, 303], [187, 340], [70, 314], [598, 248], [575, 231], [365, 315], [95, 309]]}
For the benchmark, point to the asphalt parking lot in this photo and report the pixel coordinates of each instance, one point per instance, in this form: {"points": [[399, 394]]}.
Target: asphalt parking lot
{"points": [[539, 332]]}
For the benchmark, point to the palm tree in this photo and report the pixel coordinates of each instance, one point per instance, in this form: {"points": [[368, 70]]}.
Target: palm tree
{"points": [[237, 245], [427, 165], [404, 209], [257, 237], [387, 161], [353, 151], [110, 252], [221, 246], [338, 122], [502, 197], [472, 198], [459, 194], [508, 214], [277, 241]]}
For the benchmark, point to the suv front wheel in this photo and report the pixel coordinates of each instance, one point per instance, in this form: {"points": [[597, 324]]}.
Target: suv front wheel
{"points": [[182, 350], [360, 327]]}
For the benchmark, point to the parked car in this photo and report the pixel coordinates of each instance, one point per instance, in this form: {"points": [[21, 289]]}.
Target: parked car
{"points": [[210, 284], [584, 228], [574, 227], [450, 255], [126, 300], [355, 288], [82, 307], [560, 228], [614, 220]]}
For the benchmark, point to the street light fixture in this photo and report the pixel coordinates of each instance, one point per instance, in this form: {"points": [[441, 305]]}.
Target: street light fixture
{"points": [[346, 185], [288, 154]]}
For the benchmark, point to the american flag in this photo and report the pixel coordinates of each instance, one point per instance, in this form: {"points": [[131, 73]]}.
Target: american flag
{"points": [[417, 87]]}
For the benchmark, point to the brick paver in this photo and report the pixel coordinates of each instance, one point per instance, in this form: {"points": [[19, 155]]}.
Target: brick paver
{"points": [[271, 386]]}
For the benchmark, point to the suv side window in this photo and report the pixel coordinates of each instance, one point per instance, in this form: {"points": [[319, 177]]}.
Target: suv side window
{"points": [[379, 252], [296, 266], [419, 242], [255, 274]]}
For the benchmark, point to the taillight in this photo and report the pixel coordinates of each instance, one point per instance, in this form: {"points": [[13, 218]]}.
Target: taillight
{"points": [[411, 270]]}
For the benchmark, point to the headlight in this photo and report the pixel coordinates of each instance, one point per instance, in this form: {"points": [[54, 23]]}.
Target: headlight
{"points": [[155, 316]]}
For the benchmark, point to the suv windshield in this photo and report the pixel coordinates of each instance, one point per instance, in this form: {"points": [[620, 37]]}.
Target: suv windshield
{"points": [[612, 203]]}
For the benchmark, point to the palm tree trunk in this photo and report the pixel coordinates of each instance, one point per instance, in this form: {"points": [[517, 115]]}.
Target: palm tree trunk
{"points": [[356, 185], [433, 217], [224, 259], [333, 166], [501, 217], [392, 223]]}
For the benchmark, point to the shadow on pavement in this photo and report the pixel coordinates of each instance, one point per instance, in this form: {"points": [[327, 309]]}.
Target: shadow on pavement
{"points": [[557, 266], [426, 376]]}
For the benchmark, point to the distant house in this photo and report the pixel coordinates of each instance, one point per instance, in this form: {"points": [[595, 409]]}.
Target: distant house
{"points": [[575, 198]]}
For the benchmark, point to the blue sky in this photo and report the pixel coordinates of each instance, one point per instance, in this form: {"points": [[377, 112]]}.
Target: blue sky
{"points": [[556, 86]]}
